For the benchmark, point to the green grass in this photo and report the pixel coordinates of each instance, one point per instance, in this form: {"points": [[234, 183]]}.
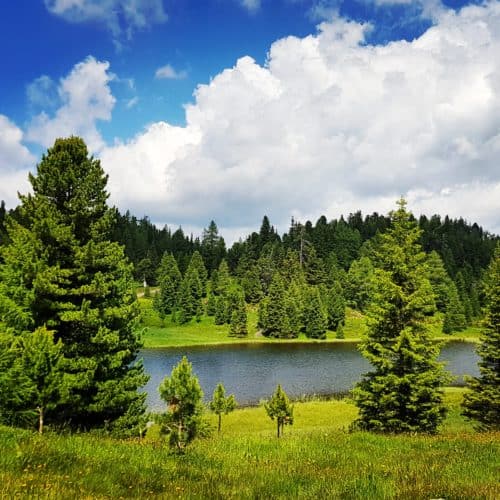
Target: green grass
{"points": [[160, 332], [316, 458]]}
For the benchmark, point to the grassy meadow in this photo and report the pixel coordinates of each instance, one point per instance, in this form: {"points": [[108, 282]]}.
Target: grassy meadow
{"points": [[158, 332], [316, 458]]}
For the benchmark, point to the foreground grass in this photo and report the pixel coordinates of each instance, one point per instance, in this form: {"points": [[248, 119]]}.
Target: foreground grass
{"points": [[164, 333], [316, 458]]}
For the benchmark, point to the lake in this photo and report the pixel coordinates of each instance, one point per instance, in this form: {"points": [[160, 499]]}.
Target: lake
{"points": [[252, 371]]}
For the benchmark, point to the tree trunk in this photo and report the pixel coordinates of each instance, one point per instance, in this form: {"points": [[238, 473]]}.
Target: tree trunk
{"points": [[220, 419], [40, 419], [278, 421]]}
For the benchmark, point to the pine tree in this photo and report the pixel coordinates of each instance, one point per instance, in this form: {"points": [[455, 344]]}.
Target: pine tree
{"points": [[220, 310], [252, 286], [315, 319], [359, 287], [184, 397], [276, 321], [41, 359], [211, 304], [16, 389], [482, 403], [62, 271], [223, 279], [279, 408], [169, 280], [335, 306], [454, 318], [439, 279], [238, 326], [403, 393], [222, 404], [197, 264]]}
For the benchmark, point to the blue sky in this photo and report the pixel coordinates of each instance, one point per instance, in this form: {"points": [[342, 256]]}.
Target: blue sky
{"points": [[121, 72]]}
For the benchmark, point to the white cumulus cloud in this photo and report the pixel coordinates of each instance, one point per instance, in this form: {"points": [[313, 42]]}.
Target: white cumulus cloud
{"points": [[330, 125], [15, 161], [85, 98]]}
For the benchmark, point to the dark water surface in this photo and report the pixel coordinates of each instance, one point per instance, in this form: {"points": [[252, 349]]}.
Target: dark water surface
{"points": [[252, 371]]}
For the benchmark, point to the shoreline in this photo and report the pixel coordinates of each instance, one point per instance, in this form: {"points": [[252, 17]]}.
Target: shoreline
{"points": [[264, 340]]}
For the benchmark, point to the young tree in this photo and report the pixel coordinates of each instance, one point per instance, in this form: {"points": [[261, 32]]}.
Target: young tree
{"points": [[238, 325], [16, 389], [62, 271], [454, 317], [220, 310], [41, 359], [184, 397], [197, 264], [314, 318], [359, 287], [169, 279], [222, 404], [275, 317], [279, 408], [335, 306], [403, 393], [482, 403]]}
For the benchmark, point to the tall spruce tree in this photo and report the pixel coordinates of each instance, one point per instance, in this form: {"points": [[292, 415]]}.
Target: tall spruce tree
{"points": [[482, 403], [314, 316], [169, 279], [403, 393], [334, 302], [238, 325], [62, 271], [454, 317], [275, 317]]}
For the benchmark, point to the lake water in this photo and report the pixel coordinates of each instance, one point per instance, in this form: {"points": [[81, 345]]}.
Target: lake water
{"points": [[252, 371]]}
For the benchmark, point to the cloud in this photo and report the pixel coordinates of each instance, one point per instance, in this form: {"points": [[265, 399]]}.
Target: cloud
{"points": [[330, 125], [251, 5], [121, 17], [42, 92], [130, 103], [168, 72], [15, 161], [85, 98]]}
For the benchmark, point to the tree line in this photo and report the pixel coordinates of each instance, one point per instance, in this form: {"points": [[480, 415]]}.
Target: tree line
{"points": [[68, 308]]}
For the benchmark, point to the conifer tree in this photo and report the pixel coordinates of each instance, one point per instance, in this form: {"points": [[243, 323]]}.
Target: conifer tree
{"points": [[482, 403], [222, 404], [315, 319], [196, 264], [280, 409], [41, 359], [169, 280], [335, 306], [454, 318], [276, 321], [294, 312], [211, 304], [403, 392], [359, 287], [62, 271], [223, 279], [184, 397], [220, 310], [439, 279], [16, 389], [252, 286], [238, 324]]}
